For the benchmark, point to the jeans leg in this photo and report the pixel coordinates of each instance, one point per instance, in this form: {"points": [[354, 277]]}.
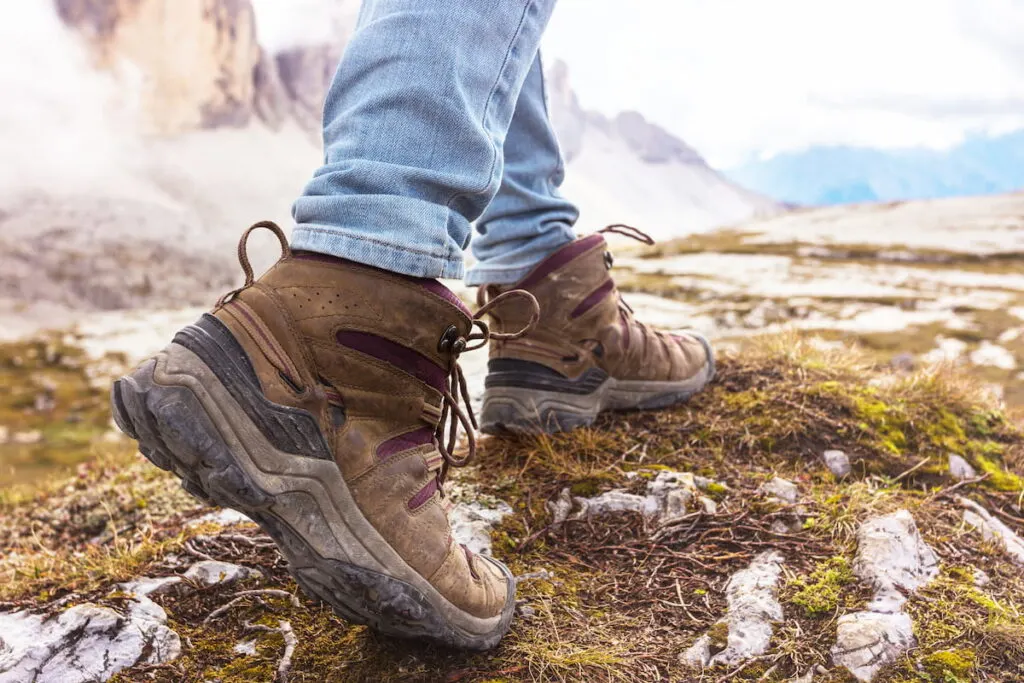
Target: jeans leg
{"points": [[528, 219], [414, 125]]}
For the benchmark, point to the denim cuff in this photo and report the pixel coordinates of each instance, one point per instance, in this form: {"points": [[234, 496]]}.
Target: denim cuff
{"points": [[485, 275], [355, 247]]}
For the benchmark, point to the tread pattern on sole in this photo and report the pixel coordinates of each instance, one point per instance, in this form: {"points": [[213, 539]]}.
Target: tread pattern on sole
{"points": [[176, 434], [291, 430]]}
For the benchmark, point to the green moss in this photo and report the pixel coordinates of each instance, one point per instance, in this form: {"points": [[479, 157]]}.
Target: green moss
{"points": [[819, 594], [951, 609], [716, 490], [886, 420], [719, 635], [998, 478], [586, 489], [945, 432], [952, 666], [45, 388]]}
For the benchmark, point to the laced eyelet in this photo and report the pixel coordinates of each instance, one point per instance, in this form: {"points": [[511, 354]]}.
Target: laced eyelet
{"points": [[449, 339], [609, 260]]}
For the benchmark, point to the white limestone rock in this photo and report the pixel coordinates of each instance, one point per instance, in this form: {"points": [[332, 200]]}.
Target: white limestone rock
{"points": [[993, 529], [27, 438], [783, 489], [981, 579], [84, 643], [214, 572], [698, 655], [960, 469], [560, 508], [868, 641], [837, 462], [949, 350], [892, 556], [993, 355], [145, 586], [221, 517], [472, 523], [895, 560], [669, 495], [611, 502], [788, 524], [752, 598]]}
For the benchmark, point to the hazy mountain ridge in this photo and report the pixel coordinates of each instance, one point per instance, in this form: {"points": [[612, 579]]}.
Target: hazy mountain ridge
{"points": [[629, 169], [181, 108], [836, 175]]}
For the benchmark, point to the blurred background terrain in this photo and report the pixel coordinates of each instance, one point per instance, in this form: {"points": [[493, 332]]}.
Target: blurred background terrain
{"points": [[146, 134], [837, 194]]}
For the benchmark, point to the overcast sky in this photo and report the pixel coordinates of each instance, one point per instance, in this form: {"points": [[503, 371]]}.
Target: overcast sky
{"points": [[742, 78], [737, 78]]}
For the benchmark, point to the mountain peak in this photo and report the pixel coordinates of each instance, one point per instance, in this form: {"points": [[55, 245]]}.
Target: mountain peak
{"points": [[652, 143]]}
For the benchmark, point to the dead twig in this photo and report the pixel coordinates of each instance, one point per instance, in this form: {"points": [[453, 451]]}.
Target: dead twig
{"points": [[195, 552], [284, 666], [266, 592], [913, 469], [942, 493], [247, 540]]}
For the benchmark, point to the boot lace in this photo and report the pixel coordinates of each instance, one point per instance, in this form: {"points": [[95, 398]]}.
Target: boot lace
{"points": [[625, 310], [456, 413]]}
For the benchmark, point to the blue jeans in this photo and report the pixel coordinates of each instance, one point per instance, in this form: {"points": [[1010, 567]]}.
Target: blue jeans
{"points": [[437, 118]]}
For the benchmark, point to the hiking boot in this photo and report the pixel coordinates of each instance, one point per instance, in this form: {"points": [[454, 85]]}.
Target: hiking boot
{"points": [[587, 354], [313, 400]]}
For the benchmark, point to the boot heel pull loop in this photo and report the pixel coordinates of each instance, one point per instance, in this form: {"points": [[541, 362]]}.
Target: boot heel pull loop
{"points": [[243, 255], [628, 231]]}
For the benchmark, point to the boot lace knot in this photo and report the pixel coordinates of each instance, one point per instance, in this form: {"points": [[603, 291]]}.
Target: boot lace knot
{"points": [[456, 409]]}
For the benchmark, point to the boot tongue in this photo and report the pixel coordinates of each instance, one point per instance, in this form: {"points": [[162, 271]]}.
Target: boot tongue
{"points": [[560, 259]]}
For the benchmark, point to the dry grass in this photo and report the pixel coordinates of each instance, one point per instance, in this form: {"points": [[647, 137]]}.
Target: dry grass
{"points": [[618, 605]]}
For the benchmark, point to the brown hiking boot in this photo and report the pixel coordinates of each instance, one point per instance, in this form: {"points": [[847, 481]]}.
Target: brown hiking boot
{"points": [[587, 354], [313, 400]]}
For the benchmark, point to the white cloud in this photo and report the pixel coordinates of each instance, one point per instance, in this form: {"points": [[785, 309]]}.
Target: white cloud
{"points": [[63, 124], [289, 23], [747, 77]]}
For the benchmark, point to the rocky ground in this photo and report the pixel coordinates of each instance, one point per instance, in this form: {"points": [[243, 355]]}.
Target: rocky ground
{"points": [[845, 503], [815, 515], [913, 283]]}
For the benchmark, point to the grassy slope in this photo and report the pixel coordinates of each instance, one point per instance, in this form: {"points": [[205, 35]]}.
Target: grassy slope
{"points": [[618, 605]]}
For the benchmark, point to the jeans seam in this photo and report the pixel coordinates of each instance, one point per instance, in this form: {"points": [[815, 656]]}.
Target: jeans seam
{"points": [[362, 238], [495, 151]]}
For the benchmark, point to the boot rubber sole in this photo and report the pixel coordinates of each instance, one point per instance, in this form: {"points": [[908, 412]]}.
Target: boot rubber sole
{"points": [[187, 422], [542, 404]]}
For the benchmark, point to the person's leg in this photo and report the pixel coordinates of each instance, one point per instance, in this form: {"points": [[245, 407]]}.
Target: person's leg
{"points": [[414, 125], [322, 398], [528, 219]]}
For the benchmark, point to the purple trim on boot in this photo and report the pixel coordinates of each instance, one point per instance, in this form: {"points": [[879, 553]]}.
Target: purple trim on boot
{"points": [[594, 298], [559, 259], [402, 357], [435, 287], [627, 335], [432, 286], [403, 442], [424, 495]]}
